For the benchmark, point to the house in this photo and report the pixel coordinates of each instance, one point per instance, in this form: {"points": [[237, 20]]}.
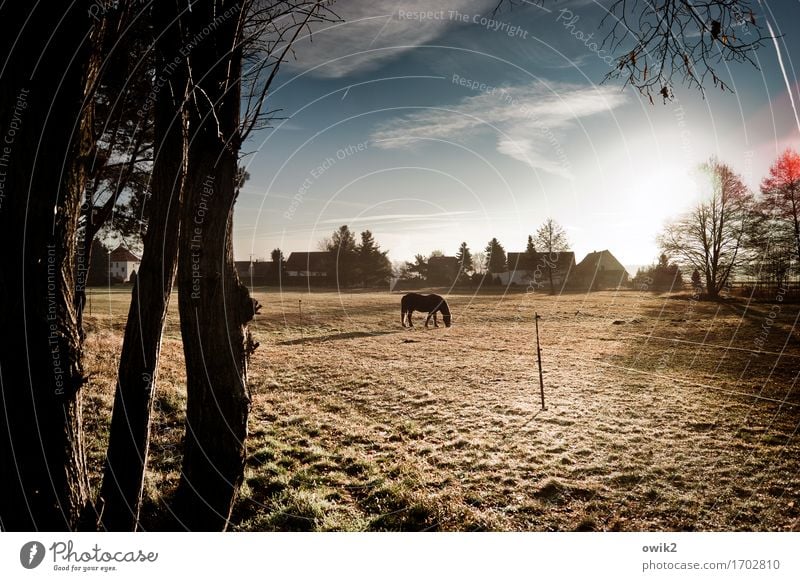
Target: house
{"points": [[600, 270], [257, 272], [307, 265], [442, 270], [536, 269], [122, 264]]}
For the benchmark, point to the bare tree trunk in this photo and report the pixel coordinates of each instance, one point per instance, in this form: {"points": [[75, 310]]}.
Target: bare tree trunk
{"points": [[795, 217], [126, 459], [215, 306], [45, 120]]}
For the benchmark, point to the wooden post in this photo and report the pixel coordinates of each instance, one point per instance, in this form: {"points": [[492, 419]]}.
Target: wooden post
{"points": [[536, 318], [300, 310]]}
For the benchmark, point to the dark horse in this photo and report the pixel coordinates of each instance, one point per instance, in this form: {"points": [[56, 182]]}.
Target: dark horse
{"points": [[430, 304]]}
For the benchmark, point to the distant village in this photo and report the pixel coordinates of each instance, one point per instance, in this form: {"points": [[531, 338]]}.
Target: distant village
{"points": [[555, 271]]}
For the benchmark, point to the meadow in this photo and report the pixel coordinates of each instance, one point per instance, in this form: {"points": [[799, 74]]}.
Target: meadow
{"points": [[662, 413]]}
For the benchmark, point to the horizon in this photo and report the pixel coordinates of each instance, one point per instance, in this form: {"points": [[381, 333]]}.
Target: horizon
{"points": [[630, 268]]}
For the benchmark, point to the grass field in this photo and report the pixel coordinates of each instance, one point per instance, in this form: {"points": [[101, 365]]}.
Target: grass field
{"points": [[661, 414]]}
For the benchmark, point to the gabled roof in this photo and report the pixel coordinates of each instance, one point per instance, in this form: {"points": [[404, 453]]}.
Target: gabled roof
{"points": [[443, 262], [523, 261], [602, 260], [259, 268], [308, 261], [122, 254]]}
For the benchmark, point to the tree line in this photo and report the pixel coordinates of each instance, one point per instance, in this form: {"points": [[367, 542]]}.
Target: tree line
{"points": [[356, 262], [733, 233], [550, 238]]}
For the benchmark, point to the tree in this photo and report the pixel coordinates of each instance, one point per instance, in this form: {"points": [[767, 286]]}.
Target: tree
{"points": [[552, 239], [466, 266], [479, 264], [343, 255], [419, 267], [236, 51], [772, 243], [529, 258], [697, 281], [126, 459], [214, 305], [781, 195], [667, 275], [51, 62], [373, 265], [530, 248], [709, 238], [278, 264], [495, 257], [663, 275]]}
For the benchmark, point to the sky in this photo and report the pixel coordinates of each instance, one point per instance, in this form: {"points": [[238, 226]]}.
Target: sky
{"points": [[463, 124]]}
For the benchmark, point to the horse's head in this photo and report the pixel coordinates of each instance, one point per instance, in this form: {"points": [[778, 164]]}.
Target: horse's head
{"points": [[445, 310]]}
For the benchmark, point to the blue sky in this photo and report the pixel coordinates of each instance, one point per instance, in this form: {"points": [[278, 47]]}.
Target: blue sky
{"points": [[463, 125]]}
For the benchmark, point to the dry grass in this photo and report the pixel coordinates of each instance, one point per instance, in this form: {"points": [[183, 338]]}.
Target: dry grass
{"points": [[358, 424]]}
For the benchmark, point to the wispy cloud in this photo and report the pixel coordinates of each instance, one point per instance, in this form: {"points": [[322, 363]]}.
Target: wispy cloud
{"points": [[394, 218], [529, 121], [376, 31]]}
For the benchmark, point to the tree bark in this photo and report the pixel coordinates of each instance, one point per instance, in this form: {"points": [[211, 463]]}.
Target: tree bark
{"points": [[46, 122], [793, 193], [126, 459], [215, 306]]}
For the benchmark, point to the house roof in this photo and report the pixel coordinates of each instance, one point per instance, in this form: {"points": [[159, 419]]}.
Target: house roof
{"points": [[122, 254], [308, 261], [602, 260], [260, 267], [522, 261], [443, 262]]}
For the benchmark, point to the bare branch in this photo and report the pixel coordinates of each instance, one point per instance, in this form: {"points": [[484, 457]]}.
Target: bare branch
{"points": [[683, 38], [664, 41]]}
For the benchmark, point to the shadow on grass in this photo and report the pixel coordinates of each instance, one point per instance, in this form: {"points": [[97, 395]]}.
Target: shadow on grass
{"points": [[336, 337]]}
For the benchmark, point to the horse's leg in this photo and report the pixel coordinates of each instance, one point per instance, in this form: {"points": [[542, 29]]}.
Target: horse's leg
{"points": [[435, 322], [428, 320], [403, 318], [410, 312]]}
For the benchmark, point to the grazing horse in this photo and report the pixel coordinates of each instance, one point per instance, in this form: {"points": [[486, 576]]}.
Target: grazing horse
{"points": [[430, 304]]}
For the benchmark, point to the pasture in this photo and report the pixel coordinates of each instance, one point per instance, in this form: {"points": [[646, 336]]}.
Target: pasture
{"points": [[662, 414]]}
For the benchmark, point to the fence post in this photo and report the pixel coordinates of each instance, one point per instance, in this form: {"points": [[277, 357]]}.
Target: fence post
{"points": [[536, 318]]}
